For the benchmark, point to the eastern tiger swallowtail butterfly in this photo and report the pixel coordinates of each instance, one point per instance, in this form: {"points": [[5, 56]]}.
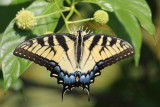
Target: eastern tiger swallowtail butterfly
{"points": [[74, 59]]}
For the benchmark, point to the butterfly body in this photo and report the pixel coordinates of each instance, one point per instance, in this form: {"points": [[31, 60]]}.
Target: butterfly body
{"points": [[74, 59]]}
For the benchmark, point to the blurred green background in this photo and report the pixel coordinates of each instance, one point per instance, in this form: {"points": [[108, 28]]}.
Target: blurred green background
{"points": [[120, 85]]}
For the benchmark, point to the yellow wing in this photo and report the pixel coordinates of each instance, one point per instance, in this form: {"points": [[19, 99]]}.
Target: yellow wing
{"points": [[103, 50], [49, 51]]}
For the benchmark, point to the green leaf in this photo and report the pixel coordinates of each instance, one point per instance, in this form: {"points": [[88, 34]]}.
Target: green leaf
{"points": [[129, 10], [15, 2], [132, 27], [13, 66], [113, 23], [104, 4], [5, 2], [132, 32], [138, 8], [12, 2]]}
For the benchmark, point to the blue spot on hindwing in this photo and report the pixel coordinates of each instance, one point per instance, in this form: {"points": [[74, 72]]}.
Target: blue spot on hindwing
{"points": [[85, 79], [91, 74], [82, 78], [66, 80], [57, 69], [96, 69], [61, 75], [72, 79]]}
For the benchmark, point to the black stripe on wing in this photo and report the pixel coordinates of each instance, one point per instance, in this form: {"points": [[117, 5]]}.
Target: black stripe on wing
{"points": [[94, 42], [114, 48], [25, 49], [62, 42], [40, 41]]}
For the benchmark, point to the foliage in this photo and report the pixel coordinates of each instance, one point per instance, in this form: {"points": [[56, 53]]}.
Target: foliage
{"points": [[129, 14]]}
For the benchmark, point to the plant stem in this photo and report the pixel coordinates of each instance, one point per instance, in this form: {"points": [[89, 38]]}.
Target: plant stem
{"points": [[70, 13], [83, 20], [68, 2], [67, 9], [65, 21], [76, 11]]}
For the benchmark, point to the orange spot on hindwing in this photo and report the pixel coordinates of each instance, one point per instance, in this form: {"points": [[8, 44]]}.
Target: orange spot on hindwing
{"points": [[77, 78]]}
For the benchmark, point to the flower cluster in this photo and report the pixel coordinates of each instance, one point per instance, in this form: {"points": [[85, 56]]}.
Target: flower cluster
{"points": [[25, 19], [101, 17]]}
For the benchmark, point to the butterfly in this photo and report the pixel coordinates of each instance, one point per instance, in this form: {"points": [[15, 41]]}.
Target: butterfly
{"points": [[74, 59]]}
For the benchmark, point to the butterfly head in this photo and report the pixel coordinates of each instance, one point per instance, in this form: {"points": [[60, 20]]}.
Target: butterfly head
{"points": [[79, 33]]}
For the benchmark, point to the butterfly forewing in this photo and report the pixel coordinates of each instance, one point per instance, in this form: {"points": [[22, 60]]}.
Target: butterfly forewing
{"points": [[46, 50], [105, 50]]}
